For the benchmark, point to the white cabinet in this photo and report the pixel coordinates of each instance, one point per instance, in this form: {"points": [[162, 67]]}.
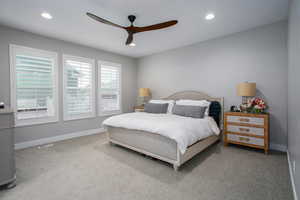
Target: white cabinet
{"points": [[7, 161]]}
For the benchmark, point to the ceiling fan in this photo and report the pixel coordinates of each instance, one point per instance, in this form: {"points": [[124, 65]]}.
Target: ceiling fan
{"points": [[133, 29]]}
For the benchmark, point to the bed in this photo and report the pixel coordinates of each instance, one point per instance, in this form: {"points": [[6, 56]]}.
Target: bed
{"points": [[162, 147]]}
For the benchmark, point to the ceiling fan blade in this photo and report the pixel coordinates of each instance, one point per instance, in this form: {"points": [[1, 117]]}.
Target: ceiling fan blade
{"points": [[129, 39], [153, 27], [99, 19]]}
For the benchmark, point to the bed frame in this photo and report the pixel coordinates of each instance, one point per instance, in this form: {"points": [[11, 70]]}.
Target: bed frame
{"points": [[161, 147]]}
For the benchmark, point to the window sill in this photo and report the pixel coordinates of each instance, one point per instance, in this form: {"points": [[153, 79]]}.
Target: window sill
{"points": [[32, 122], [79, 117]]}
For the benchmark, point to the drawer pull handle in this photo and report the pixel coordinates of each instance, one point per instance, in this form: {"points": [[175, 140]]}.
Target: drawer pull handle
{"points": [[244, 129], [244, 120], [244, 139]]}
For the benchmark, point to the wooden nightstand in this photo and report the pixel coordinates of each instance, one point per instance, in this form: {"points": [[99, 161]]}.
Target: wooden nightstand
{"points": [[139, 109], [247, 129]]}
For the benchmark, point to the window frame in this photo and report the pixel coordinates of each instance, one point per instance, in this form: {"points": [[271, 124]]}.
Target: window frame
{"points": [[67, 117], [99, 91], [17, 49]]}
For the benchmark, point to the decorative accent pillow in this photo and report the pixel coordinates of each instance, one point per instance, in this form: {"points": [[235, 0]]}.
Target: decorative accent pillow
{"points": [[187, 102], [215, 110], [189, 111], [156, 108], [170, 102]]}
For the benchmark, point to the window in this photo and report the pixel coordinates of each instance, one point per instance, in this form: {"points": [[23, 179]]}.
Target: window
{"points": [[79, 87], [109, 86], [33, 85]]}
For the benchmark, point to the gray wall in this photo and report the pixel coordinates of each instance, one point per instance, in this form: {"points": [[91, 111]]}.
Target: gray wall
{"points": [[12, 36], [294, 89], [217, 66], [214, 66]]}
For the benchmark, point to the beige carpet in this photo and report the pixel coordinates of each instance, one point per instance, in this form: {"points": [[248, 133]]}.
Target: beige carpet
{"points": [[88, 168]]}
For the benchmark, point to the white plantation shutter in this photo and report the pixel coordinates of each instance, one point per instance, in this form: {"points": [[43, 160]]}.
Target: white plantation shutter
{"points": [[34, 95], [79, 91], [109, 88]]}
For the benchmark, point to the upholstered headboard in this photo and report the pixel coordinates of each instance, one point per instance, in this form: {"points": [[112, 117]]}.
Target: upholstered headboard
{"points": [[195, 95]]}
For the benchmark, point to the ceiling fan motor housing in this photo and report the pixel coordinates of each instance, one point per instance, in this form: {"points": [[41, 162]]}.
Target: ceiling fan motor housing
{"points": [[131, 18]]}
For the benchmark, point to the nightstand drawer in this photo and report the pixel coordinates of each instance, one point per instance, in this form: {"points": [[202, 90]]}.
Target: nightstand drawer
{"points": [[245, 139], [246, 120], [246, 129], [138, 109]]}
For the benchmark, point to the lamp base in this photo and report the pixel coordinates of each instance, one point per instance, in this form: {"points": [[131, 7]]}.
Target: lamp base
{"points": [[244, 100], [244, 105], [244, 108]]}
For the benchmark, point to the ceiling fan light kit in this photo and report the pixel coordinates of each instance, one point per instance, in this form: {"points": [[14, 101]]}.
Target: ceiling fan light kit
{"points": [[131, 30]]}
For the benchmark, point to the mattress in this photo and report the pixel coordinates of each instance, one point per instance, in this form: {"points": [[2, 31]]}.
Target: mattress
{"points": [[185, 131]]}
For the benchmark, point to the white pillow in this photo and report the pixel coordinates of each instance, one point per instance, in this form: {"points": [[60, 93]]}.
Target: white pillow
{"points": [[187, 102], [170, 102]]}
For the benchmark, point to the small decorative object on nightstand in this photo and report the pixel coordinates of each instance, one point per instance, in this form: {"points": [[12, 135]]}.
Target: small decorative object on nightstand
{"points": [[247, 129], [256, 105], [139, 108]]}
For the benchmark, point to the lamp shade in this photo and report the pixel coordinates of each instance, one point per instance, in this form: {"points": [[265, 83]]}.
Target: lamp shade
{"points": [[144, 92], [246, 89]]}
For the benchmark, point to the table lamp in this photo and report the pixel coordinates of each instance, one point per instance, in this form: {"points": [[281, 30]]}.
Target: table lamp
{"points": [[144, 92], [246, 90]]}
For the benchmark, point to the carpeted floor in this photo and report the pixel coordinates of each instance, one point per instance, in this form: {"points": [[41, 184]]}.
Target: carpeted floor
{"points": [[88, 168]]}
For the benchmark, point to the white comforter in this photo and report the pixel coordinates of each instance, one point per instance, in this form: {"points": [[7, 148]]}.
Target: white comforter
{"points": [[184, 130]]}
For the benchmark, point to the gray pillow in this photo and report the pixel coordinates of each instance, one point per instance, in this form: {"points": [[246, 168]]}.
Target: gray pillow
{"points": [[189, 111], [156, 108]]}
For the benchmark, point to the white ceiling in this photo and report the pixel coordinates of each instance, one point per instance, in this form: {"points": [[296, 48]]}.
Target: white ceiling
{"points": [[71, 24]]}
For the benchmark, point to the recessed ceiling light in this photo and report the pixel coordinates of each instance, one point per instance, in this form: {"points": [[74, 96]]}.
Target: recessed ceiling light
{"points": [[46, 15], [209, 16], [132, 44]]}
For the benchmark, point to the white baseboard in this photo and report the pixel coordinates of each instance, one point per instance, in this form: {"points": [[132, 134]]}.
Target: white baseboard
{"points": [[278, 147], [292, 176], [48, 140]]}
